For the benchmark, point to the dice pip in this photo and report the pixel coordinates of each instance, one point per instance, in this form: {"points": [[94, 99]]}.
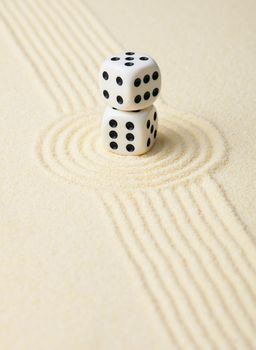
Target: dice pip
{"points": [[130, 83]]}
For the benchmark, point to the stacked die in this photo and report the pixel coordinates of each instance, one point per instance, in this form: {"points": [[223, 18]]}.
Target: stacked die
{"points": [[130, 83]]}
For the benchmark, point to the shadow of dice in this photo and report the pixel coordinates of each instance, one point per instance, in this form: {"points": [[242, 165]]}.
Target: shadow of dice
{"points": [[129, 133], [130, 81]]}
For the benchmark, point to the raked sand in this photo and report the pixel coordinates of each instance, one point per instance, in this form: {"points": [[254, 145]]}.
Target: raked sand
{"points": [[100, 251]]}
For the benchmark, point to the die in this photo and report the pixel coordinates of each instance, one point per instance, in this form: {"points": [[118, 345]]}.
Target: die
{"points": [[129, 133], [130, 81]]}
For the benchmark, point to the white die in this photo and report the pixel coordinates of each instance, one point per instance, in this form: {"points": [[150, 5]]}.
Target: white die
{"points": [[129, 133], [130, 81]]}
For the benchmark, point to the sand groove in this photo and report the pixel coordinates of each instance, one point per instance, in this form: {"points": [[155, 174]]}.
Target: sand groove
{"points": [[186, 147]]}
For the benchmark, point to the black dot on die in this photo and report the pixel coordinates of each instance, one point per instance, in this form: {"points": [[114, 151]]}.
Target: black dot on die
{"points": [[152, 129], [129, 125], [155, 133], [106, 94], [155, 75], [148, 142], [155, 92], [119, 99], [114, 108], [137, 82], [119, 81], [148, 124], [130, 137], [129, 64], [137, 99], [155, 116], [130, 148], [113, 145], [113, 134], [143, 58], [105, 75], [115, 58], [113, 123], [129, 58], [146, 78], [146, 95], [129, 53]]}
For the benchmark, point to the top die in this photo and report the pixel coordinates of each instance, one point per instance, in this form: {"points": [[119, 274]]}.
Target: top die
{"points": [[130, 81]]}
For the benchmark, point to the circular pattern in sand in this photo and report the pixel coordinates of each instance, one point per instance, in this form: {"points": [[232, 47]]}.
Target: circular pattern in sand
{"points": [[186, 147]]}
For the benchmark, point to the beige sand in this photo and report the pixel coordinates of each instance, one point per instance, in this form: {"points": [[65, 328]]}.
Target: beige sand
{"points": [[106, 252]]}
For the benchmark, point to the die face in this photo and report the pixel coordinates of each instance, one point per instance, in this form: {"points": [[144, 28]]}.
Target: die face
{"points": [[129, 133], [130, 81]]}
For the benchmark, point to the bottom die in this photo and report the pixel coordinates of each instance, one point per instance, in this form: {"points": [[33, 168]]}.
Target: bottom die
{"points": [[129, 132]]}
